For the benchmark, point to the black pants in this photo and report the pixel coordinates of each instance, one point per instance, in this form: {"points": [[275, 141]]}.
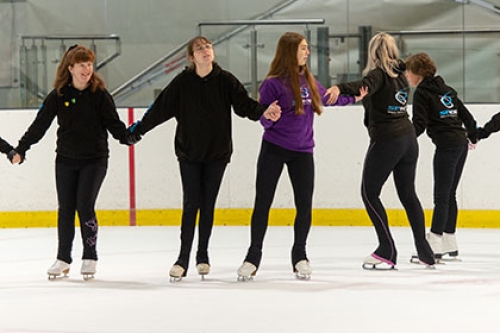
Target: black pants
{"points": [[399, 157], [200, 184], [78, 186], [448, 167], [270, 164]]}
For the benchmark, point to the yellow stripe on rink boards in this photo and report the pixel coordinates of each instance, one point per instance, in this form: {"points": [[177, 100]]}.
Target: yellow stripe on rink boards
{"points": [[241, 217]]}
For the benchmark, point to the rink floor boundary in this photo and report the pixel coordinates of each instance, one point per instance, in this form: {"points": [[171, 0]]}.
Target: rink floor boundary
{"points": [[241, 217]]}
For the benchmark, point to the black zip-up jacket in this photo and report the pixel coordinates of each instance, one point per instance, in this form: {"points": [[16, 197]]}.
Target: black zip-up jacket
{"points": [[437, 108], [5, 147], [385, 104], [84, 117], [202, 108]]}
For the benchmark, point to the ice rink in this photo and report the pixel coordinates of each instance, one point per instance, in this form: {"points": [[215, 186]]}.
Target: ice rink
{"points": [[132, 293]]}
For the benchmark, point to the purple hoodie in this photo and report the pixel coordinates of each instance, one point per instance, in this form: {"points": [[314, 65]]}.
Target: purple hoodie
{"points": [[291, 131]]}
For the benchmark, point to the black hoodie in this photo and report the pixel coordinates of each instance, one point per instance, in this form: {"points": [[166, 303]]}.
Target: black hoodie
{"points": [[437, 108], [386, 103], [84, 118], [202, 108]]}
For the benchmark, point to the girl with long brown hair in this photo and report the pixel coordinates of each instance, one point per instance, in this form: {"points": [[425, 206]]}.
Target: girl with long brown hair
{"points": [[85, 113], [288, 141]]}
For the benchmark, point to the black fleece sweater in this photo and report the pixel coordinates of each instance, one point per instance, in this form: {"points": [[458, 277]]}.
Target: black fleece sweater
{"points": [[437, 108], [202, 109], [84, 117]]}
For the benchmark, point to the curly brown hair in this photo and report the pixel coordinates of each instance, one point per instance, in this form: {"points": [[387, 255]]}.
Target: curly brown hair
{"points": [[421, 64]]}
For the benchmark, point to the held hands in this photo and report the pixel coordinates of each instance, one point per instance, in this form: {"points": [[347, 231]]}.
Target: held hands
{"points": [[133, 136], [334, 93], [471, 146], [273, 112], [15, 158], [363, 91]]}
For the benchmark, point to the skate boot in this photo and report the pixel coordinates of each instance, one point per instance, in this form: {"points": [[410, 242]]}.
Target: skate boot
{"points": [[58, 268], [246, 271], [177, 272], [425, 255], [88, 269], [303, 270], [374, 262], [450, 245], [436, 243], [203, 269]]}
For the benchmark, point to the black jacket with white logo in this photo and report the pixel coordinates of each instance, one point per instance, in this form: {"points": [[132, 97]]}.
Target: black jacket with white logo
{"points": [[437, 108], [385, 105]]}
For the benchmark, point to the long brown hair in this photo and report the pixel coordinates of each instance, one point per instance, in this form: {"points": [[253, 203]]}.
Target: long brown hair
{"points": [[285, 65], [76, 54]]}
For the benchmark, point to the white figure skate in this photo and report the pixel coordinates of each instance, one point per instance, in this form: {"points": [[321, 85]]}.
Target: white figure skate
{"points": [[246, 271], [303, 270], [88, 269], [436, 243], [57, 269], [203, 269], [377, 263], [177, 272], [450, 247]]}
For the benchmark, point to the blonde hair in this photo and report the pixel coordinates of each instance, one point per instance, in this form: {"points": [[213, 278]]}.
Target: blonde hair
{"points": [[285, 65], [383, 53], [76, 54]]}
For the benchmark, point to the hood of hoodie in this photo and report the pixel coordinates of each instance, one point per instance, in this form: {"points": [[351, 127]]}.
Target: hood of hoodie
{"points": [[436, 85]]}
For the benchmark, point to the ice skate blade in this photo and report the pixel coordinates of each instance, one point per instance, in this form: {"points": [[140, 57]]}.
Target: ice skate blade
{"points": [[175, 279], [245, 278], [416, 260], [378, 267], [302, 277], [53, 277], [88, 276]]}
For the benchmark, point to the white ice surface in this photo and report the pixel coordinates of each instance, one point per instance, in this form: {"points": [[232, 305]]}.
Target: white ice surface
{"points": [[132, 292]]}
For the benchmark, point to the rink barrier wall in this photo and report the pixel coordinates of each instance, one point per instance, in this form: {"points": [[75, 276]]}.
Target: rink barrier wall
{"points": [[143, 177], [241, 217]]}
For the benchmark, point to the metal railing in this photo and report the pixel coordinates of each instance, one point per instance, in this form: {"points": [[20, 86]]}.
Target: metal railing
{"points": [[157, 69]]}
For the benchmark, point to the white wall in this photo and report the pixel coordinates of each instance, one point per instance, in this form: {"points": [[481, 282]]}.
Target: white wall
{"points": [[341, 142]]}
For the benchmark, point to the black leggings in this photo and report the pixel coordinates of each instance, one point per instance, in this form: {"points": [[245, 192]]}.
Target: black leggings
{"points": [[300, 166], [448, 167], [399, 157], [78, 186], [200, 184]]}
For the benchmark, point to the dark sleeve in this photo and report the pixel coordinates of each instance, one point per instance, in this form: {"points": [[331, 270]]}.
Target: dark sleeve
{"points": [[373, 80], [42, 122], [165, 107], [493, 125], [468, 120], [5, 147], [420, 113], [243, 105], [111, 119]]}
